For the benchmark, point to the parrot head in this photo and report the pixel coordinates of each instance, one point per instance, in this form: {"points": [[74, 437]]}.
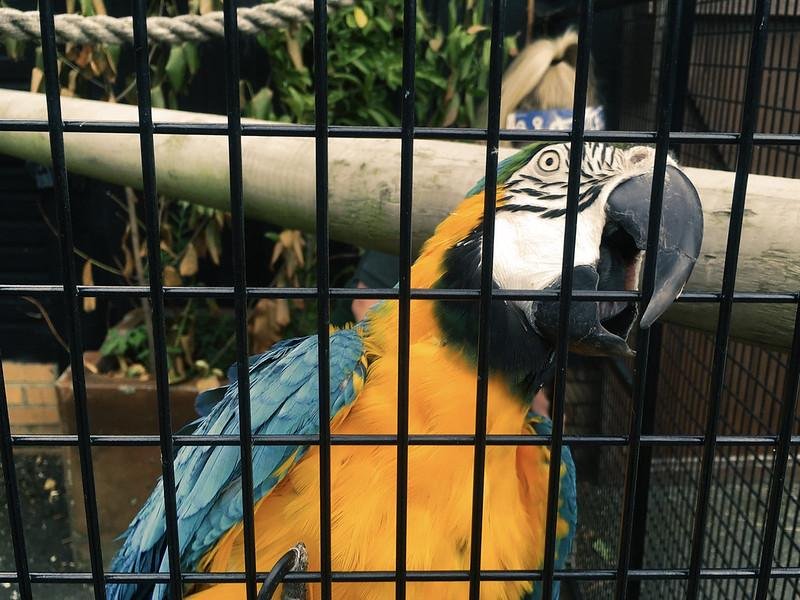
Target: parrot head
{"points": [[612, 225]]}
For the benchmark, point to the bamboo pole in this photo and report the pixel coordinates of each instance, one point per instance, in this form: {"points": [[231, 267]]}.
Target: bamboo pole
{"points": [[278, 175]]}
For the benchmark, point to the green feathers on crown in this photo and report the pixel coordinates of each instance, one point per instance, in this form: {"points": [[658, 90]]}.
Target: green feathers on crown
{"points": [[509, 166]]}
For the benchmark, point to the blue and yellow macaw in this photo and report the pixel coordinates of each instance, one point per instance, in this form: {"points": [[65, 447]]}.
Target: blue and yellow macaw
{"points": [[531, 204]]}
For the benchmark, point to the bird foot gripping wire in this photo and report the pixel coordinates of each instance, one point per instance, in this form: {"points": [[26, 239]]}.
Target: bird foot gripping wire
{"points": [[295, 560]]}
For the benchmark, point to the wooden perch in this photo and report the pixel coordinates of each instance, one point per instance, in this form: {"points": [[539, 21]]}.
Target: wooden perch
{"points": [[278, 177]]}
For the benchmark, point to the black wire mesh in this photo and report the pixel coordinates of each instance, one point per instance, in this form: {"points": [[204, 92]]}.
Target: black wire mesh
{"points": [[701, 471], [717, 52], [751, 403]]}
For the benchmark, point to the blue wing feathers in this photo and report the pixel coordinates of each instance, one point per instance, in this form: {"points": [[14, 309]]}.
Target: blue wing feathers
{"points": [[567, 505], [284, 400]]}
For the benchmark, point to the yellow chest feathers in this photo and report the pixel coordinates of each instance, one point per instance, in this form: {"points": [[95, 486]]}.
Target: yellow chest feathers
{"points": [[363, 493]]}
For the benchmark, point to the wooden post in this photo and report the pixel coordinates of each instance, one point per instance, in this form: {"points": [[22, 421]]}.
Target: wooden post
{"points": [[365, 188]]}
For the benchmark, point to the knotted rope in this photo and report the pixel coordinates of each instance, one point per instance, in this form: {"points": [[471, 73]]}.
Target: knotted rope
{"points": [[102, 29]]}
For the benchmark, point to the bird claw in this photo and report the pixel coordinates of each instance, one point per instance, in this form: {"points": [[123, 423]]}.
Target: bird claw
{"points": [[297, 590], [295, 560]]}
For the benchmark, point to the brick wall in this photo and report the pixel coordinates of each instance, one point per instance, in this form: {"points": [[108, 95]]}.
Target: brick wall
{"points": [[32, 398]]}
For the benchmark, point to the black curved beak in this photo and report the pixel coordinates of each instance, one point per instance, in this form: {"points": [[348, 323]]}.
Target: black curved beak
{"points": [[680, 235]]}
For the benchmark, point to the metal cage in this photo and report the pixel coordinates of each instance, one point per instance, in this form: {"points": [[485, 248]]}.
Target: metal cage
{"points": [[740, 139]]}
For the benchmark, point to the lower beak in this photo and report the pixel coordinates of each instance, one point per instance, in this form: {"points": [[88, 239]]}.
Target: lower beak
{"points": [[680, 234], [587, 329]]}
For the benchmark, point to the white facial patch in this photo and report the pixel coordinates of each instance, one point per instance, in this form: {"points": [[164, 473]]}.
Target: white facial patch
{"points": [[529, 226]]}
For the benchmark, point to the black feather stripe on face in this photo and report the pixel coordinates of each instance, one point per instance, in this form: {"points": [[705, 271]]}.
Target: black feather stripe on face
{"points": [[597, 168], [587, 197]]}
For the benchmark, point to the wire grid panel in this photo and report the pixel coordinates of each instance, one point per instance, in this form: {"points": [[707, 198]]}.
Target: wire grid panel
{"points": [[620, 570], [718, 53], [754, 385]]}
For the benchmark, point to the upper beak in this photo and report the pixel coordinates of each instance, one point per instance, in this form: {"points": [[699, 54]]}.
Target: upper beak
{"points": [[680, 234]]}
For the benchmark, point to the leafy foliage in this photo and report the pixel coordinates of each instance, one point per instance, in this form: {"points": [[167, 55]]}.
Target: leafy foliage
{"points": [[365, 68], [364, 88]]}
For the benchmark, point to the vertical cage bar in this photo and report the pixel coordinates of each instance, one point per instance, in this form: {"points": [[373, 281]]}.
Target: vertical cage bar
{"points": [[231, 27], [787, 420], [485, 306], [585, 18], [639, 525], [156, 291], [404, 301], [323, 287], [55, 125], [744, 159], [13, 496], [664, 113], [684, 51]]}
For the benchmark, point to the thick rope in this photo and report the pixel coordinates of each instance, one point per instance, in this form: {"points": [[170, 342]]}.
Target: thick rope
{"points": [[102, 29]]}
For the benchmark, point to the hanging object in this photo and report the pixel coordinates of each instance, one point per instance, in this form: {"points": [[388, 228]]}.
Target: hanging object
{"points": [[539, 85]]}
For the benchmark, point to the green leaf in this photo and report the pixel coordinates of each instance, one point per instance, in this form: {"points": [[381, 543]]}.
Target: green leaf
{"points": [[157, 97], [15, 49], [87, 8], [261, 104], [263, 40], [487, 48], [113, 51], [379, 118], [433, 78], [192, 55], [384, 24], [469, 110], [176, 68], [361, 67]]}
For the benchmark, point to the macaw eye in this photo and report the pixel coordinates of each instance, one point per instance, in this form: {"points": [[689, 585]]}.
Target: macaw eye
{"points": [[549, 161]]}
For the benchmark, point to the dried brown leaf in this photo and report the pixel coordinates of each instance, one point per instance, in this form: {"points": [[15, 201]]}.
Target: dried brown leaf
{"points": [[282, 313], [213, 241], [127, 269], [84, 57], [86, 275], [98, 64], [292, 240], [37, 76], [171, 277], [99, 7], [295, 51], [89, 304], [277, 250], [72, 82], [188, 266], [200, 246], [267, 323], [206, 383], [187, 345], [436, 43], [165, 247]]}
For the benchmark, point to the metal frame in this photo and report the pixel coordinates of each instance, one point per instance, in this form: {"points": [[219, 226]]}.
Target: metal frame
{"points": [[636, 440]]}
